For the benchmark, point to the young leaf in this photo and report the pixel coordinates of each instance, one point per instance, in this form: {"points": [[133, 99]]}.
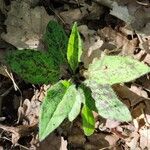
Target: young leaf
{"points": [[87, 98], [56, 41], [74, 50], [107, 102], [51, 113], [59, 104], [75, 96], [88, 121], [33, 66], [116, 69]]}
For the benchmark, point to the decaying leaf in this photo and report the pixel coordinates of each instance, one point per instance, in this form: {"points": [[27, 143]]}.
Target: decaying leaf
{"points": [[126, 94], [74, 14], [144, 43], [144, 137], [19, 131], [119, 40], [122, 13], [26, 25], [90, 11], [132, 141], [91, 45], [135, 13]]}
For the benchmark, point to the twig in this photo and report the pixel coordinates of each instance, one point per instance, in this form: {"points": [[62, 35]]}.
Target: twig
{"points": [[57, 15], [17, 144], [16, 88]]}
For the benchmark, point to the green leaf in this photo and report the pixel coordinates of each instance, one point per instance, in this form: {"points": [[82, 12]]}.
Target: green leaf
{"points": [[51, 113], [74, 50], [107, 102], [88, 121], [56, 41], [116, 69], [33, 66], [87, 97], [59, 104], [75, 96]]}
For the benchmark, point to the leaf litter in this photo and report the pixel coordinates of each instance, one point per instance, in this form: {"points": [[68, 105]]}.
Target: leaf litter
{"points": [[129, 36]]}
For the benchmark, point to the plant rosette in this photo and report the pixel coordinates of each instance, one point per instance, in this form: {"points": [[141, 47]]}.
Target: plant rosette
{"points": [[67, 98]]}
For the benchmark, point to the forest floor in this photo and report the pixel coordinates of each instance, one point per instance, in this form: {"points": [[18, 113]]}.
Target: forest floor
{"points": [[114, 27]]}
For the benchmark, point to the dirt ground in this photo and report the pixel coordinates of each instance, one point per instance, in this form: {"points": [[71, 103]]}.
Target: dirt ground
{"points": [[114, 27]]}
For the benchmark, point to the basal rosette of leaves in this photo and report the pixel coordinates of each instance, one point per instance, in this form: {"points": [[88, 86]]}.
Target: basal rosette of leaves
{"points": [[70, 97]]}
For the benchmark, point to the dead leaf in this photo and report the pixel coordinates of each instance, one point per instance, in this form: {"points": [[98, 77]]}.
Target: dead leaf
{"points": [[144, 43], [131, 12], [112, 139], [88, 12], [132, 141], [139, 91], [19, 131], [74, 14], [126, 94], [92, 45], [122, 13], [119, 40], [112, 124], [24, 25], [144, 137], [30, 109]]}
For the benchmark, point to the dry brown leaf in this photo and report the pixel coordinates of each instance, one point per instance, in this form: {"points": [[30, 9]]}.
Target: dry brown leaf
{"points": [[111, 123], [127, 30], [112, 139], [126, 94], [74, 14], [19, 131], [139, 91], [143, 56], [30, 109], [94, 11], [119, 40], [144, 137], [26, 25], [88, 12], [132, 141], [138, 110], [92, 45], [144, 43]]}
